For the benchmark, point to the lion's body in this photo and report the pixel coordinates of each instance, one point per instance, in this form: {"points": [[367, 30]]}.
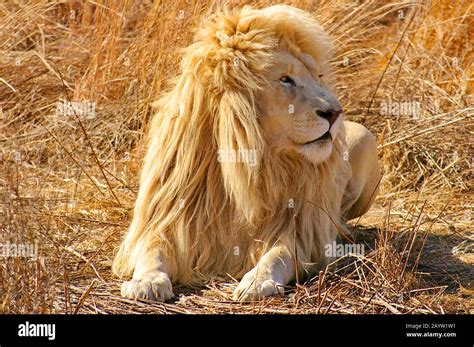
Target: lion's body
{"points": [[197, 217]]}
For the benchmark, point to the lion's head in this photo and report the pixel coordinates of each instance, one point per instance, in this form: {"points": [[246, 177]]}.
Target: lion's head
{"points": [[297, 109], [254, 86]]}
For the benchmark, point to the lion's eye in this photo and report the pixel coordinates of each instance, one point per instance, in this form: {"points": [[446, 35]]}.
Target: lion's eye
{"points": [[321, 76], [287, 80]]}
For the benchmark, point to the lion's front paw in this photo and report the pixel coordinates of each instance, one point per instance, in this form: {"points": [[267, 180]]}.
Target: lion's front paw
{"points": [[157, 288], [254, 287]]}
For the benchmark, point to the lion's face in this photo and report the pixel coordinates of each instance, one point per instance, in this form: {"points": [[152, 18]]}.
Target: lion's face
{"points": [[298, 111]]}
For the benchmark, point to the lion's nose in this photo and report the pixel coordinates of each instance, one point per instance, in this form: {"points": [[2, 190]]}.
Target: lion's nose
{"points": [[330, 115]]}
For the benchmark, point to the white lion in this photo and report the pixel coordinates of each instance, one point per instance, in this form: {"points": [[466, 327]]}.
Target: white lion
{"points": [[253, 80]]}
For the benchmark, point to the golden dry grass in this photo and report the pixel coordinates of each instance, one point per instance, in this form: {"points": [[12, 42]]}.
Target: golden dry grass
{"points": [[69, 182]]}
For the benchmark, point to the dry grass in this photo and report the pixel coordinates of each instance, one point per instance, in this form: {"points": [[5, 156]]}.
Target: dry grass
{"points": [[69, 182]]}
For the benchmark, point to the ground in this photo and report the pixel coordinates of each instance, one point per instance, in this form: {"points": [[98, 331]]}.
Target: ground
{"points": [[68, 180]]}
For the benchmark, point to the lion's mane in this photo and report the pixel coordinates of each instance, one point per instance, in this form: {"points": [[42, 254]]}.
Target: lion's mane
{"points": [[209, 218]]}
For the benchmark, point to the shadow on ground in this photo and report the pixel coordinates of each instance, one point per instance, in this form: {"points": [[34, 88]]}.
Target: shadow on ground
{"points": [[440, 258]]}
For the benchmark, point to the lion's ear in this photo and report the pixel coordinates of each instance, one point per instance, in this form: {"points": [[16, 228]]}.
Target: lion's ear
{"points": [[241, 147]]}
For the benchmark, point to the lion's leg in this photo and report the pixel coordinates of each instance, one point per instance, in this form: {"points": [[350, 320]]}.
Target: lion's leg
{"points": [[150, 280], [363, 185], [273, 271]]}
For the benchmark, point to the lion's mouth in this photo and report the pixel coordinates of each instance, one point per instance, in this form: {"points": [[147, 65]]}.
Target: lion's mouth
{"points": [[326, 136]]}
